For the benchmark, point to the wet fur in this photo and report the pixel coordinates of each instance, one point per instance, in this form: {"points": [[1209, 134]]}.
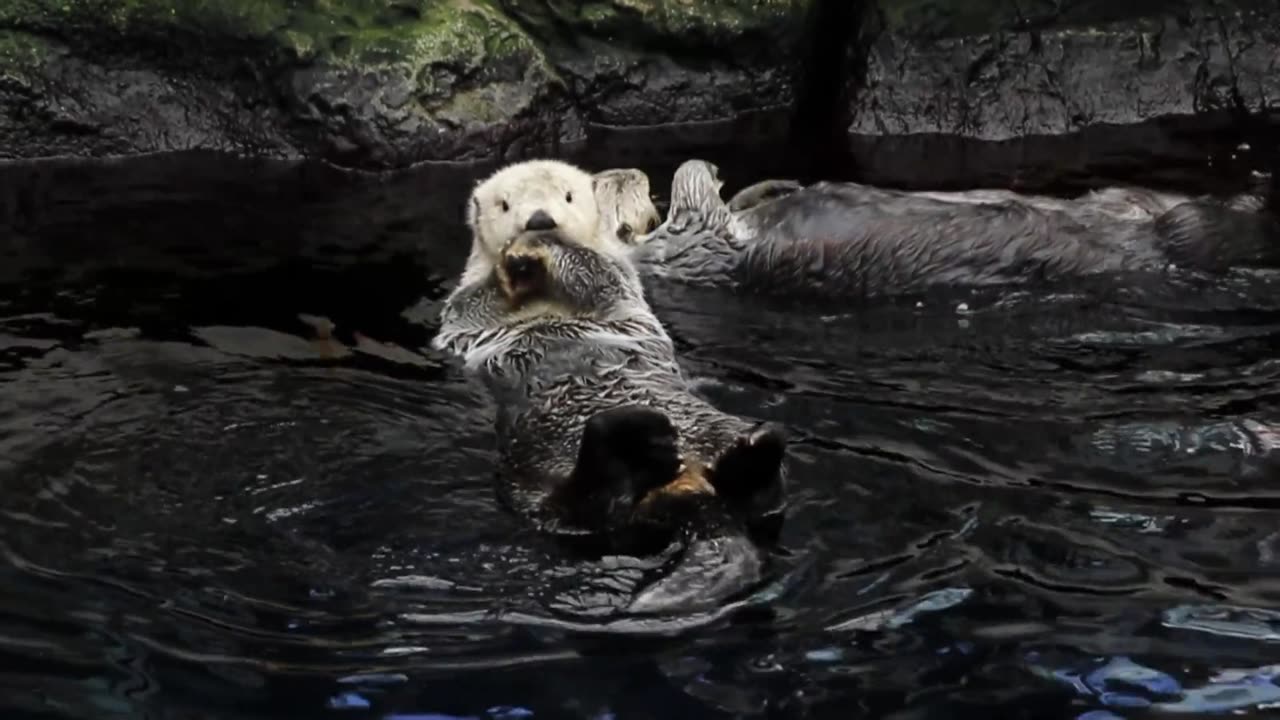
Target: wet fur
{"points": [[626, 206], [554, 375], [846, 240], [573, 352]]}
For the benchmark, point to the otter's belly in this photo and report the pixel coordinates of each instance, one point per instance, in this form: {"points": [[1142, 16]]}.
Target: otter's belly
{"points": [[562, 398], [566, 389], [840, 244]]}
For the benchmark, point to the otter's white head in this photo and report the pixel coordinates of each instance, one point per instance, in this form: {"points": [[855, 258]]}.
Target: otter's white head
{"points": [[626, 208], [528, 196]]}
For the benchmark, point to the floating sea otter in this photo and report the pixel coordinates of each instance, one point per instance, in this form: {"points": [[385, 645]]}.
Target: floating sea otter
{"points": [[598, 430], [845, 240]]}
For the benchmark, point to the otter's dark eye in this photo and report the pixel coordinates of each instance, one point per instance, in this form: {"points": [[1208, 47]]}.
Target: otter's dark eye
{"points": [[568, 197], [505, 206], [624, 232], [653, 225]]}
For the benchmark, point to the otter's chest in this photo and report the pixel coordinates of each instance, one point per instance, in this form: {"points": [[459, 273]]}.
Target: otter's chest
{"points": [[584, 380]]}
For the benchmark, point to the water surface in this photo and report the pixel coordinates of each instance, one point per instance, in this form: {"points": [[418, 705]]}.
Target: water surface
{"points": [[237, 484]]}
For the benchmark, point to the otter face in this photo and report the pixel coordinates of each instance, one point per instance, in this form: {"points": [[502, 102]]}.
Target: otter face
{"points": [[536, 195], [626, 208]]}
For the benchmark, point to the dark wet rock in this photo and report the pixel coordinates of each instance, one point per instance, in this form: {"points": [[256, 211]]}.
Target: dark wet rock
{"points": [[1033, 93], [379, 82], [918, 92], [55, 102], [646, 62]]}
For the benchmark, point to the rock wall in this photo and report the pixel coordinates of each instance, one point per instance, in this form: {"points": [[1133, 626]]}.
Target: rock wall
{"points": [[379, 83], [908, 92], [1036, 91]]}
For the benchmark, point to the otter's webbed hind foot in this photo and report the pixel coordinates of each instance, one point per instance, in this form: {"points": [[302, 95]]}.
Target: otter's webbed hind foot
{"points": [[625, 453], [748, 476]]}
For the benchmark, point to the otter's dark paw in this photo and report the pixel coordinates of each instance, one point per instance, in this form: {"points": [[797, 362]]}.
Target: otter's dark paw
{"points": [[523, 270], [626, 452], [749, 473]]}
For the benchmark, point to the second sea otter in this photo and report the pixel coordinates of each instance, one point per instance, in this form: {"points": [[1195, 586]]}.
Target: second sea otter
{"points": [[850, 241]]}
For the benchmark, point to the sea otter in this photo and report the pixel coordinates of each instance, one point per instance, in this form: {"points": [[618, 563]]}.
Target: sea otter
{"points": [[846, 240], [599, 434]]}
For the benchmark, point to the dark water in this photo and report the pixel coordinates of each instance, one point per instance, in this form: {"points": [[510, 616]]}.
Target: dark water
{"points": [[1053, 506]]}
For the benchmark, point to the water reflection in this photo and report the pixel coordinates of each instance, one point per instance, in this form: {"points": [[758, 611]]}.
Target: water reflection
{"points": [[237, 484]]}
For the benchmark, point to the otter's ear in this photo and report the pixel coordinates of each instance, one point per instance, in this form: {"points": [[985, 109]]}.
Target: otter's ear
{"points": [[595, 180], [473, 213]]}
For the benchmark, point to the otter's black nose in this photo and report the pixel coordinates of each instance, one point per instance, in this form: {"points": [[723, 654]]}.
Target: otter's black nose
{"points": [[540, 220]]}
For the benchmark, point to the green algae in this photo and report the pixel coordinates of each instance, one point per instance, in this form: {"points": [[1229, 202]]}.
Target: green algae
{"points": [[236, 18], [691, 23], [22, 48], [21, 57], [307, 30], [460, 29], [382, 77], [450, 47], [471, 35]]}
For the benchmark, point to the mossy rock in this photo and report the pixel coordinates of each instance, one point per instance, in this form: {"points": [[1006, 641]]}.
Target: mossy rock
{"points": [[21, 56], [193, 29], [417, 78], [691, 25], [284, 30], [450, 48], [383, 82], [398, 80]]}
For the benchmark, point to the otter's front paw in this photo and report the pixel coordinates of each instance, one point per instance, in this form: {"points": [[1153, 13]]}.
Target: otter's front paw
{"points": [[524, 270], [749, 473], [626, 452]]}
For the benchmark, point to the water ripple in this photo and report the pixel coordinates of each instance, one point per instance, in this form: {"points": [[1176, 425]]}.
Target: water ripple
{"points": [[238, 484]]}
